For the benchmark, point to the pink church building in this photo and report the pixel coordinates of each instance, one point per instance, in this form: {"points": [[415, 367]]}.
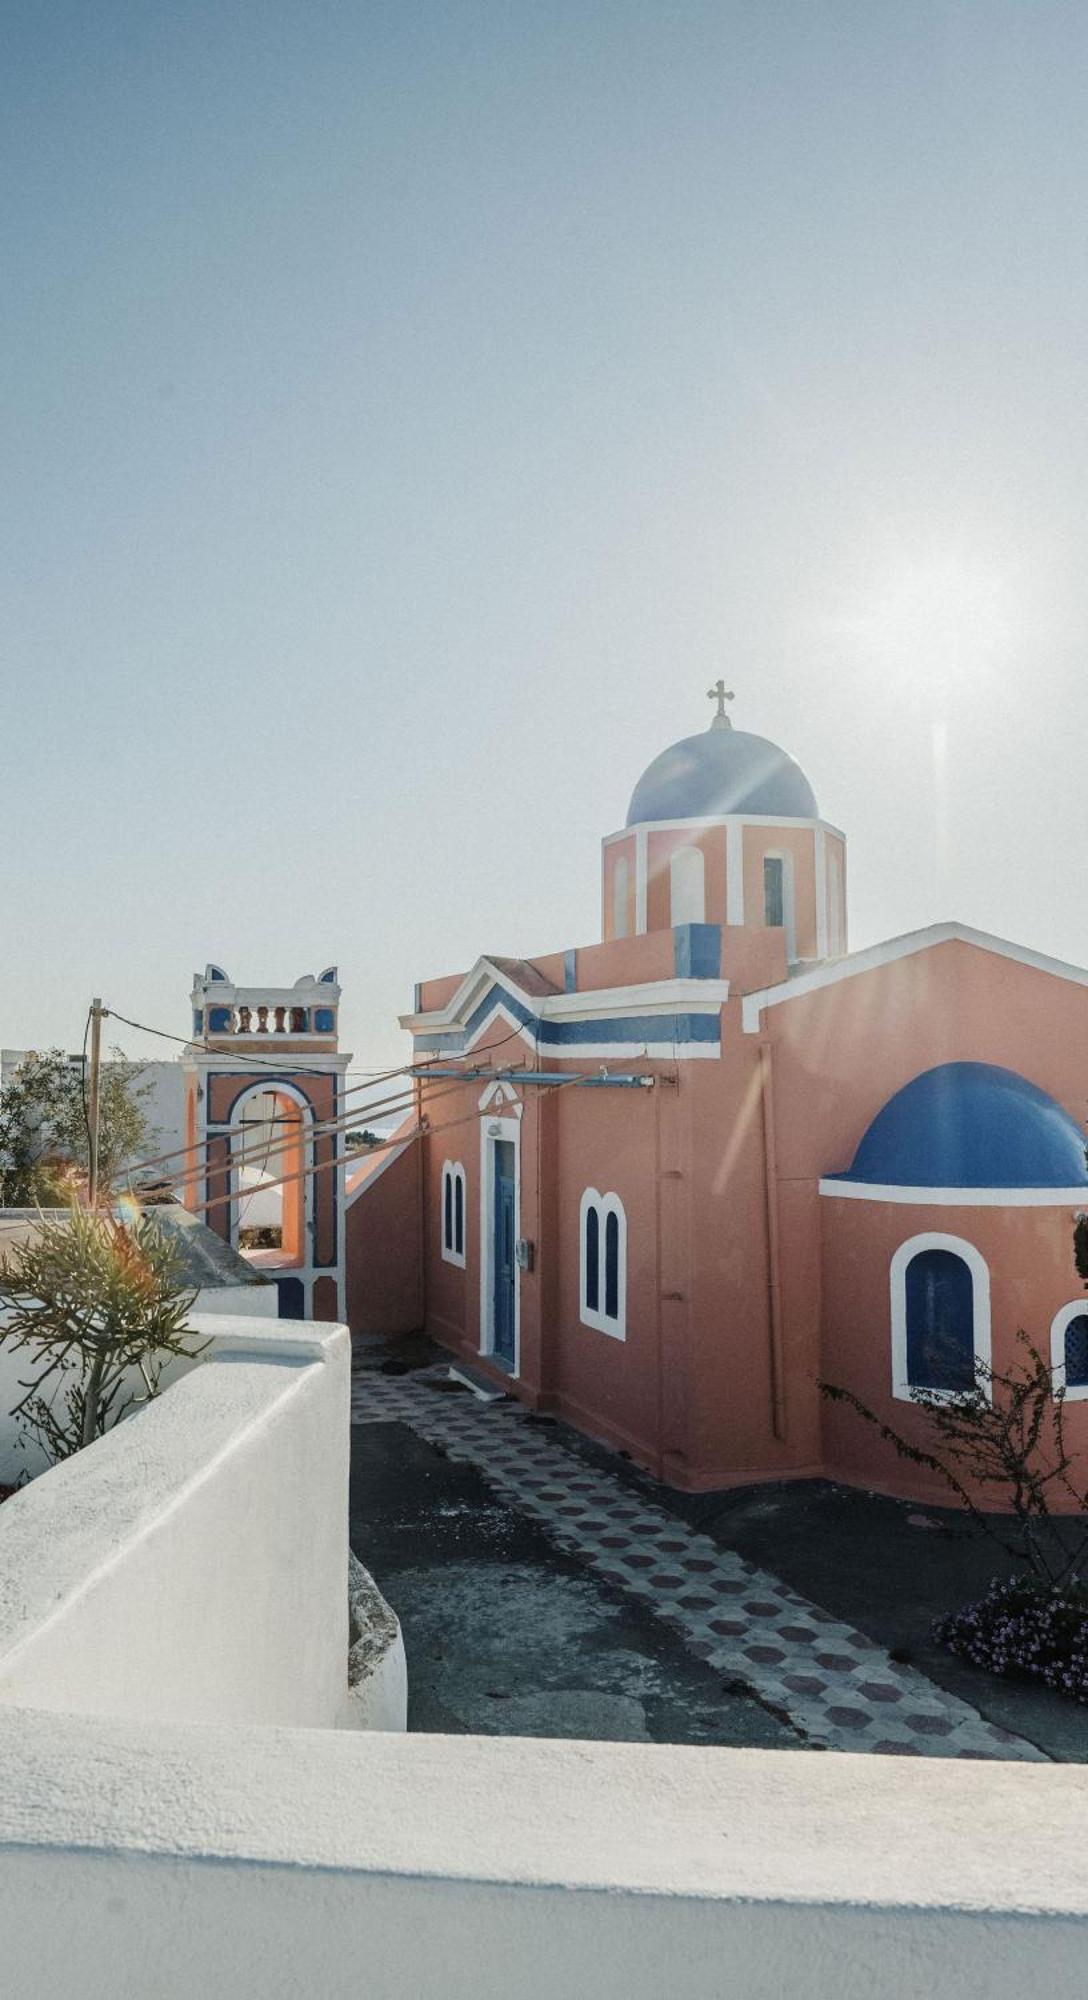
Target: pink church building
{"points": [[664, 1184]]}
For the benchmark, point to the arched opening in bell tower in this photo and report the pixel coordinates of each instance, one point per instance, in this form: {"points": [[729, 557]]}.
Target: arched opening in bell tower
{"points": [[272, 1188]]}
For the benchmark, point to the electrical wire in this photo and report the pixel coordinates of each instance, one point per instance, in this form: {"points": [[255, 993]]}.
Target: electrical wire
{"points": [[385, 1107], [421, 1131]]}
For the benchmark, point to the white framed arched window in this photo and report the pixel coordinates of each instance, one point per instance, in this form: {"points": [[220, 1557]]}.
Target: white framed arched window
{"points": [[778, 899], [1069, 1351], [602, 1263], [687, 892], [453, 1212], [940, 1298], [621, 876]]}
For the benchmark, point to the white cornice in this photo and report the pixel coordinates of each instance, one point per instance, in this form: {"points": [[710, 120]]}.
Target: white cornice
{"points": [[246, 1062], [718, 819], [902, 947], [961, 1197], [660, 996]]}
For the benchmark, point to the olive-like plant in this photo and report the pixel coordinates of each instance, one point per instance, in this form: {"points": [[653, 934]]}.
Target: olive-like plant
{"points": [[99, 1306]]}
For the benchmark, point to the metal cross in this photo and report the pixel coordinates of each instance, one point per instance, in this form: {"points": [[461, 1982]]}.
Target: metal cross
{"points": [[721, 694]]}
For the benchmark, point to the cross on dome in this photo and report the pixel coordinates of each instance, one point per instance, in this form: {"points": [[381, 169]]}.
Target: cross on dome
{"points": [[721, 694]]}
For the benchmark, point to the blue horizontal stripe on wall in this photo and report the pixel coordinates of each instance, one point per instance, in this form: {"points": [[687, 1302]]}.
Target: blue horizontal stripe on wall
{"points": [[569, 1034]]}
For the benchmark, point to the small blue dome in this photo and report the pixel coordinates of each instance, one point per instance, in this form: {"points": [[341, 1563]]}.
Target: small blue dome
{"points": [[723, 770], [971, 1125]]}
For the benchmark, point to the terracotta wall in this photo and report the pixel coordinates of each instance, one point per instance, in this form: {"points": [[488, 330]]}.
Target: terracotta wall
{"points": [[1029, 1252], [384, 1269], [660, 847], [840, 1052], [800, 843], [609, 857]]}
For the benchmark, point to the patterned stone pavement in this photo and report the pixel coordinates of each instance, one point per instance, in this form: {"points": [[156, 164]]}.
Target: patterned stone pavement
{"points": [[839, 1689]]}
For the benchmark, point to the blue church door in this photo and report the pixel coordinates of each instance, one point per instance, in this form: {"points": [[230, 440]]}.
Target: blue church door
{"points": [[504, 1274]]}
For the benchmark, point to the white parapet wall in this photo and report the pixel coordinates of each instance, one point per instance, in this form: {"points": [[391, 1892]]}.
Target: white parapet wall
{"points": [[184, 1812], [192, 1565], [261, 1864]]}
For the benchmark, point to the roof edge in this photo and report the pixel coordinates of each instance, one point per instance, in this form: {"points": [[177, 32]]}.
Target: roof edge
{"points": [[887, 953]]}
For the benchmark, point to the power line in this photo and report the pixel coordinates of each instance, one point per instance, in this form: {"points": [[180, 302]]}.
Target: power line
{"points": [[321, 1166], [398, 1102]]}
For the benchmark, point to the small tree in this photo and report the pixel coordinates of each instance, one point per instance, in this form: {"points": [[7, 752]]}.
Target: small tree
{"points": [[44, 1140], [1006, 1437], [100, 1307]]}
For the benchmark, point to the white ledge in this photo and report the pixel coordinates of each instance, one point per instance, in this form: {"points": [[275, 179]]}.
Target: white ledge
{"points": [[956, 1197]]}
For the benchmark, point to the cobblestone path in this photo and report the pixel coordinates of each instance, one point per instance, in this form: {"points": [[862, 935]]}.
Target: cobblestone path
{"points": [[838, 1688]]}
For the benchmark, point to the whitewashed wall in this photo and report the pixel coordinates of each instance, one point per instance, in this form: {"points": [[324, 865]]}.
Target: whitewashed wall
{"points": [[192, 1565], [264, 1864]]}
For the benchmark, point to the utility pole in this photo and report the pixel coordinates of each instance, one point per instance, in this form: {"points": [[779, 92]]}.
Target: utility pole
{"points": [[98, 1013]]}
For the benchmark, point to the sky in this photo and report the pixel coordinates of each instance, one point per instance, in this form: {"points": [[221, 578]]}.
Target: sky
{"points": [[411, 409]]}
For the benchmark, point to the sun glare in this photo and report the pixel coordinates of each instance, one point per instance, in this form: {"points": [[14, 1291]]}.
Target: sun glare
{"points": [[940, 622]]}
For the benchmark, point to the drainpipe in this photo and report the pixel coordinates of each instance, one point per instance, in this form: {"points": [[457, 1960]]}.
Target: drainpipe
{"points": [[774, 1280], [421, 1183], [659, 1469]]}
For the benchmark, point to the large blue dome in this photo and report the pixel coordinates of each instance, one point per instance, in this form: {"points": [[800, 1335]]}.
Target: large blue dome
{"points": [[971, 1125], [722, 770]]}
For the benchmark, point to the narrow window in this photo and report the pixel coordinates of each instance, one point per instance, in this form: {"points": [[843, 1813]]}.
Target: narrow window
{"points": [[774, 891], [612, 1265], [687, 897], [592, 1257], [603, 1260], [940, 1322], [620, 879], [453, 1212]]}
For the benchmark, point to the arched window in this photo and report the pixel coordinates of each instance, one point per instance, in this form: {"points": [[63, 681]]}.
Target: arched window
{"points": [[603, 1263], [687, 897], [453, 1212], [620, 879], [940, 1322], [940, 1317], [1069, 1351]]}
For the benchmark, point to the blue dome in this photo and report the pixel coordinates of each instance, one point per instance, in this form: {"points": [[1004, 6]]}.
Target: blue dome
{"points": [[971, 1125], [723, 770]]}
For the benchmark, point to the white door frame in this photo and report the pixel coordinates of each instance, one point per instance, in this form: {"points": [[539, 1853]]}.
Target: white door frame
{"points": [[491, 1131]]}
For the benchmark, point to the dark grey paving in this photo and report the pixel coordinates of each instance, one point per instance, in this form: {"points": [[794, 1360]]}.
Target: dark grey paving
{"points": [[835, 1684], [506, 1634]]}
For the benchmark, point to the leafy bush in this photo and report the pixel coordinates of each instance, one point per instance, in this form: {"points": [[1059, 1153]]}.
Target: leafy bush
{"points": [[1021, 1628], [100, 1307]]}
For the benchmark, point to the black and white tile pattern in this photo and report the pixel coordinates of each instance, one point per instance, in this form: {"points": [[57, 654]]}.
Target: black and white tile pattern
{"points": [[839, 1689]]}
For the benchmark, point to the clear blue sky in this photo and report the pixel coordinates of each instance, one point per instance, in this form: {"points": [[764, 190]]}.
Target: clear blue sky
{"points": [[411, 408]]}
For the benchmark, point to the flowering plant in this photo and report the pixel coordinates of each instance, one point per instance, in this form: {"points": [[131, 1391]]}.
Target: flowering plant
{"points": [[1022, 1628]]}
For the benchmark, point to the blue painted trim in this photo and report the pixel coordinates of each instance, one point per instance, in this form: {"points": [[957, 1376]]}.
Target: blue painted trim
{"points": [[219, 1020], [571, 1034], [570, 972], [697, 951], [324, 1021]]}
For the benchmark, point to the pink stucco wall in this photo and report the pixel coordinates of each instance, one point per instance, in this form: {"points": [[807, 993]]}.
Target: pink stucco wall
{"points": [[744, 1284], [1029, 1254], [385, 1272]]}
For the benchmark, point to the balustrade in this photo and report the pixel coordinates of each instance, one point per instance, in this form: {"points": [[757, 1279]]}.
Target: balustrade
{"points": [[263, 1019]]}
